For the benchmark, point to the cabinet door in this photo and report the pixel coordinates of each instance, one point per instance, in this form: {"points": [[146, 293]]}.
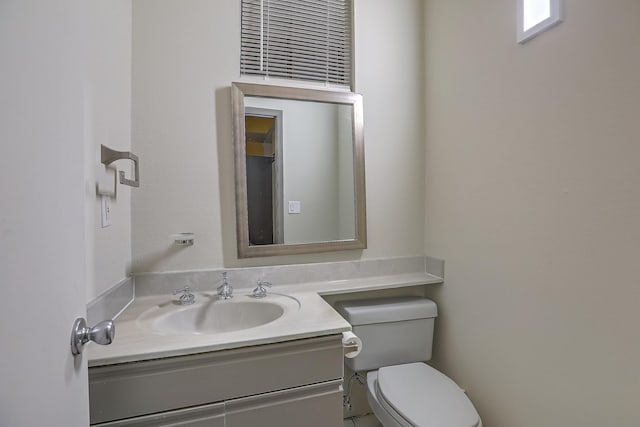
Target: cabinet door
{"points": [[318, 405], [135, 389], [201, 416]]}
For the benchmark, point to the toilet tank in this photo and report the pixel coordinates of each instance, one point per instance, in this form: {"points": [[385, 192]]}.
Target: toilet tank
{"points": [[393, 330]]}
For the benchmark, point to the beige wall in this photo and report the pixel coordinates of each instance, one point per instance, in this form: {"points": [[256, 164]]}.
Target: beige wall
{"points": [[533, 198], [106, 106], [185, 56]]}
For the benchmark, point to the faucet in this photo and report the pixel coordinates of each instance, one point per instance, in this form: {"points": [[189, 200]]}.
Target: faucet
{"points": [[225, 291], [261, 290], [187, 297]]}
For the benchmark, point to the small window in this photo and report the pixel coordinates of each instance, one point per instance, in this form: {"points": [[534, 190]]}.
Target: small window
{"points": [[302, 40], [536, 16]]}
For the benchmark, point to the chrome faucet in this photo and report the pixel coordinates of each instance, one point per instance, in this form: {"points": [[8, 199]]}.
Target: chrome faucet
{"points": [[261, 290], [225, 291], [187, 297]]}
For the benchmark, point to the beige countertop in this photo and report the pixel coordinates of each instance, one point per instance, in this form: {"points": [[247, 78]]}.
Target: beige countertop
{"points": [[312, 317]]}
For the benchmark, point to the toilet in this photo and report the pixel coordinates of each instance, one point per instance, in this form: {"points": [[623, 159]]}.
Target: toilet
{"points": [[402, 390]]}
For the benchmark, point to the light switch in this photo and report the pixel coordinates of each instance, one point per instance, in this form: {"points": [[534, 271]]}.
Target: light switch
{"points": [[294, 206], [105, 207]]}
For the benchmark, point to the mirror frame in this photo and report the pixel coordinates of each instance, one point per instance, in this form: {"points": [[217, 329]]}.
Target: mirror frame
{"points": [[238, 92]]}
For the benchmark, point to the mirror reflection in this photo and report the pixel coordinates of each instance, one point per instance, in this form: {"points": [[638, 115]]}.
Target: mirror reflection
{"points": [[300, 185], [299, 170]]}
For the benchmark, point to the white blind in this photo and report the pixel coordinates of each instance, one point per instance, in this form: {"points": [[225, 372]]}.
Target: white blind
{"points": [[297, 39]]}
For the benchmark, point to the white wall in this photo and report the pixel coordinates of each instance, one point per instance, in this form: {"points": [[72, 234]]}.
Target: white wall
{"points": [[185, 56], [310, 173], [533, 199], [107, 113]]}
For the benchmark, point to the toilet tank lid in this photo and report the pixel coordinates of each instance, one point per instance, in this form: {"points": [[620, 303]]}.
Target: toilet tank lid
{"points": [[391, 309]]}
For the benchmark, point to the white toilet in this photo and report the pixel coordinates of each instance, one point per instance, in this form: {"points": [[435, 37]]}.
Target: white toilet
{"points": [[397, 336]]}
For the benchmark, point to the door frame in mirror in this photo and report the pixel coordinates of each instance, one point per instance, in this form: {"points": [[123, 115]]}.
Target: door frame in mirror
{"points": [[238, 92]]}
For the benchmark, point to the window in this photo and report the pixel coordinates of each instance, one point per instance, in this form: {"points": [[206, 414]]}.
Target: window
{"points": [[297, 39], [536, 16]]}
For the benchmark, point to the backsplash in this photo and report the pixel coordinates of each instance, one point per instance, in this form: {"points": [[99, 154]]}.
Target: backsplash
{"points": [[246, 277], [113, 301]]}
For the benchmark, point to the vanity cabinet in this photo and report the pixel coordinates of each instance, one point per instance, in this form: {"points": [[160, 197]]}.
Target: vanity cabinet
{"points": [[318, 405], [295, 383], [201, 416]]}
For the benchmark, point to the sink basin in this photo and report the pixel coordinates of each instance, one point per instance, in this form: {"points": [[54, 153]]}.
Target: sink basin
{"points": [[210, 315]]}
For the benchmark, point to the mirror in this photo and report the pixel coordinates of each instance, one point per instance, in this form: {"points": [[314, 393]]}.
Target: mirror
{"points": [[299, 168]]}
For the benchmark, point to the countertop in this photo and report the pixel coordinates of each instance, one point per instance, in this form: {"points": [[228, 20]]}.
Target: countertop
{"points": [[315, 317]]}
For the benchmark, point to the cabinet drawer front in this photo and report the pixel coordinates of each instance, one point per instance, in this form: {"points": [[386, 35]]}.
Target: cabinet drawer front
{"points": [[203, 416], [140, 388], [318, 405]]}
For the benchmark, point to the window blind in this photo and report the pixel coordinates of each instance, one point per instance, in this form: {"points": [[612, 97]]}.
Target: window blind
{"points": [[297, 39]]}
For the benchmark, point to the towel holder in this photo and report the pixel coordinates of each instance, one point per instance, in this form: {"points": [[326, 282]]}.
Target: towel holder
{"points": [[108, 156]]}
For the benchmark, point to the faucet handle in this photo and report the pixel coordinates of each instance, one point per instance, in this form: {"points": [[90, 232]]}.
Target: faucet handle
{"points": [[186, 289], [261, 290], [187, 297]]}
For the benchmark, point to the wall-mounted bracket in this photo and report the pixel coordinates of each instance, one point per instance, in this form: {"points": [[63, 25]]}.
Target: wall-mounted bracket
{"points": [[108, 156]]}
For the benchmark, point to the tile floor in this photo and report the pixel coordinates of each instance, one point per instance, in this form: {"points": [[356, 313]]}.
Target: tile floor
{"points": [[365, 421]]}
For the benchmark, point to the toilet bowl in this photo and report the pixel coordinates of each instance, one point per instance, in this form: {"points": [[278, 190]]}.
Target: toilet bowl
{"points": [[402, 390]]}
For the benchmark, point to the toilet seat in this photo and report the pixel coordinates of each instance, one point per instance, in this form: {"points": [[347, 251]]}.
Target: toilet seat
{"points": [[416, 394]]}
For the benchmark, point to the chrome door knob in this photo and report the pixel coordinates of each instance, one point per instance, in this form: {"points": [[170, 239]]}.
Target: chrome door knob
{"points": [[103, 333]]}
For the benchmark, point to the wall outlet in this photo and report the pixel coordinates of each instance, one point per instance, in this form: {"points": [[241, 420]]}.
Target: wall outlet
{"points": [[105, 208]]}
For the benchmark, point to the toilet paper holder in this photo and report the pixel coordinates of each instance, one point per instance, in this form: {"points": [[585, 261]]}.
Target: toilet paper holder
{"points": [[350, 347], [351, 344]]}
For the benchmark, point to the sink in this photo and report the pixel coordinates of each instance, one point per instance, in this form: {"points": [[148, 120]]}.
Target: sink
{"points": [[210, 315], [223, 317]]}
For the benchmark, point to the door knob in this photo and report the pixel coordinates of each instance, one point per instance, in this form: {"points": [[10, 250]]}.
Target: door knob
{"points": [[103, 333]]}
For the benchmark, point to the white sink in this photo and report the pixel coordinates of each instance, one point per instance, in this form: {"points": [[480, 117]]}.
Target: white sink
{"points": [[210, 315]]}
